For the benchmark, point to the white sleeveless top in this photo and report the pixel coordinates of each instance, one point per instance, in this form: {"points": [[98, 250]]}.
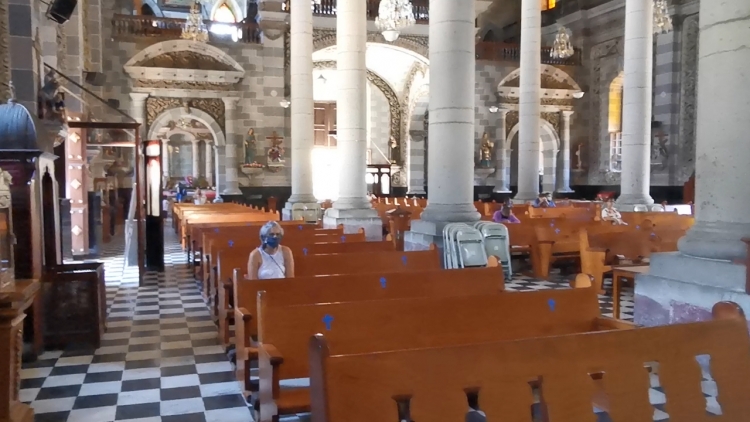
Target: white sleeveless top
{"points": [[271, 266]]}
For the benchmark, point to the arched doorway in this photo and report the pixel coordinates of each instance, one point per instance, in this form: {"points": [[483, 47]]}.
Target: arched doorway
{"points": [[550, 146]]}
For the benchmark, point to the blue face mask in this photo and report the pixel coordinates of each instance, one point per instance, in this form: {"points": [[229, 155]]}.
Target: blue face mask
{"points": [[272, 242]]}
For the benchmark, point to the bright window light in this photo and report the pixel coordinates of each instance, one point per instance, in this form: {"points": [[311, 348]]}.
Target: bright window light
{"points": [[325, 173]]}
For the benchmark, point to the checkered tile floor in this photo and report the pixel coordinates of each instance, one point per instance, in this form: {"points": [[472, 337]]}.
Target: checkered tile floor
{"points": [[160, 361]]}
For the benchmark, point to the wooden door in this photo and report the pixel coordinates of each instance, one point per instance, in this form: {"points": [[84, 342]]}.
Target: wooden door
{"points": [[324, 119]]}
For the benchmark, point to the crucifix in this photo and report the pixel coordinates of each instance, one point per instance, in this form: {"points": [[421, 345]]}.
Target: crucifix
{"points": [[276, 152]]}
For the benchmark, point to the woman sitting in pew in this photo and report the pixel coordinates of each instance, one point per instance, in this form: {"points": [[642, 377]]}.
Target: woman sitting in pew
{"points": [[271, 259], [610, 213]]}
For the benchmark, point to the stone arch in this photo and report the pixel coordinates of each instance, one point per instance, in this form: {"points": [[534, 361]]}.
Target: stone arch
{"points": [[390, 95], [154, 7], [177, 112], [413, 44], [550, 148], [172, 46], [555, 73]]}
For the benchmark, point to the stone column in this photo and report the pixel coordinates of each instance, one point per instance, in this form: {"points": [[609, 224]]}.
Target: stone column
{"points": [[209, 162], [196, 158], [451, 127], [230, 151], [683, 286], [138, 110], [636, 105], [563, 165], [529, 101], [353, 208], [502, 183], [303, 131], [165, 158]]}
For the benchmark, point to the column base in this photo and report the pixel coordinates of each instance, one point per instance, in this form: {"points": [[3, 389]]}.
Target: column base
{"points": [[565, 190], [501, 190], [301, 208], [525, 196], [355, 219], [716, 240], [628, 202], [231, 191], [355, 203], [680, 288], [450, 213]]}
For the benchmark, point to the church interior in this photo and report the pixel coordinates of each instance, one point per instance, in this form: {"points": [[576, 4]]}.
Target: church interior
{"points": [[308, 210]]}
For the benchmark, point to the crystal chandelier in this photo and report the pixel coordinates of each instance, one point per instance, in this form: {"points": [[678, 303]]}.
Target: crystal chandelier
{"points": [[194, 28], [662, 20], [561, 48], [393, 16]]}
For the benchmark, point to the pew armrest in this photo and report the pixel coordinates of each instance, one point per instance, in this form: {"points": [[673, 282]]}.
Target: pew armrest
{"points": [[274, 354], [246, 316], [607, 323]]}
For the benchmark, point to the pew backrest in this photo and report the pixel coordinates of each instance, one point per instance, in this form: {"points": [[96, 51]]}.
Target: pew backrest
{"points": [[352, 263], [432, 383]]}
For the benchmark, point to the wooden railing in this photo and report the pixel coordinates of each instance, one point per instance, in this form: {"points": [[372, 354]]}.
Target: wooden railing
{"points": [[327, 8], [127, 27], [502, 52]]}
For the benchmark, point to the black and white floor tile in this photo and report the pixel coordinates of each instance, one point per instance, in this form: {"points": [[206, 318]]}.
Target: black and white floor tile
{"points": [[160, 360]]}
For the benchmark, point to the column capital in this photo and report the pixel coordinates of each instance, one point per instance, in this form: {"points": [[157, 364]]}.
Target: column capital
{"points": [[230, 103], [195, 141], [567, 113], [139, 96]]}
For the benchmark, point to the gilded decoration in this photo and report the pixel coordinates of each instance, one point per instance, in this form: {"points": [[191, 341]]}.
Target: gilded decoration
{"points": [[393, 104], [155, 106], [548, 82], [193, 85], [4, 52], [186, 60]]}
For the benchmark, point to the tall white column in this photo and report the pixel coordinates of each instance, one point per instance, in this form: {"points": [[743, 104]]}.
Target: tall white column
{"points": [[722, 156], [209, 163], [165, 157], [563, 169], [302, 101], [683, 287], [230, 151], [352, 209], [138, 110], [502, 183], [196, 158], [636, 104], [451, 159], [529, 102], [351, 114]]}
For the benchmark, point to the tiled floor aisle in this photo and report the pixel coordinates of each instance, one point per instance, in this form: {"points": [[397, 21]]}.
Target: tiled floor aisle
{"points": [[159, 360]]}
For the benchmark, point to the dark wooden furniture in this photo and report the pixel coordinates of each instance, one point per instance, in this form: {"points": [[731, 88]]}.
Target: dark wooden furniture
{"points": [[75, 304]]}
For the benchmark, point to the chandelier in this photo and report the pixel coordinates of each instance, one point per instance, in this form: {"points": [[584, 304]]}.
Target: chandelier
{"points": [[561, 48], [393, 16], [194, 29], [662, 20]]}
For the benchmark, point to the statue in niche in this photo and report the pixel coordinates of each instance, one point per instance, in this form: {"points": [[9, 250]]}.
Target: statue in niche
{"points": [[659, 150], [392, 148], [250, 147], [52, 99], [485, 151], [579, 163], [276, 152]]}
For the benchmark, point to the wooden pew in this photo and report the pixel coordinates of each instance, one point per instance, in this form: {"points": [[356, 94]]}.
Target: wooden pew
{"points": [[213, 218], [601, 251], [349, 288], [229, 260], [375, 326], [309, 265], [572, 371]]}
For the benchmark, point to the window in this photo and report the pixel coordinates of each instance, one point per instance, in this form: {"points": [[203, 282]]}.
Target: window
{"points": [[548, 4], [224, 14], [615, 104], [615, 148]]}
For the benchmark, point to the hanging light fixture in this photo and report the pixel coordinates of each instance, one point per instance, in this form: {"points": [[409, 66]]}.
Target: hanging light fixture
{"points": [[393, 16], [194, 29], [662, 20], [562, 48]]}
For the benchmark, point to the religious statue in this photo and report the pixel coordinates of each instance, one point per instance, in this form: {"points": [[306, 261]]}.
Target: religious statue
{"points": [[579, 164], [485, 151], [52, 99], [392, 148], [276, 152], [250, 147]]}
